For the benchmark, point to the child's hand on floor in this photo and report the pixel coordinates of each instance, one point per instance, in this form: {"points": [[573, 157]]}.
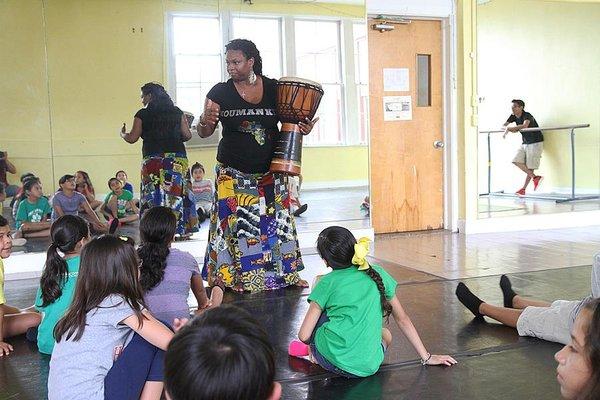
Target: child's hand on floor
{"points": [[441, 360], [5, 348]]}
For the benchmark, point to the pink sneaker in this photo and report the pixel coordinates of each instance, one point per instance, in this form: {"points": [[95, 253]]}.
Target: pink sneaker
{"points": [[520, 192], [297, 349], [536, 181]]}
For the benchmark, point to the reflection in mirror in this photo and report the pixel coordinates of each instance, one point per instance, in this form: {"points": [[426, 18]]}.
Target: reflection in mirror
{"points": [[541, 158]]}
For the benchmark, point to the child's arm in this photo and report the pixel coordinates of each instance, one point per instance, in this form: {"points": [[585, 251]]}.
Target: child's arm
{"points": [[310, 321], [197, 287], [59, 211], [131, 204], [91, 213], [5, 348], [408, 329], [152, 330]]}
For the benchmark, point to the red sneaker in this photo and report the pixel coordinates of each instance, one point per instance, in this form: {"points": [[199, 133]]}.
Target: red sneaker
{"points": [[520, 192], [536, 181]]}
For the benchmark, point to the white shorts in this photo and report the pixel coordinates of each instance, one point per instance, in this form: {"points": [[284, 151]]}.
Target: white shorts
{"points": [[530, 155], [548, 323]]}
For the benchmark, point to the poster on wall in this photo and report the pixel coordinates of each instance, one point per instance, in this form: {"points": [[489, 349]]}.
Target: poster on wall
{"points": [[395, 80], [397, 108]]}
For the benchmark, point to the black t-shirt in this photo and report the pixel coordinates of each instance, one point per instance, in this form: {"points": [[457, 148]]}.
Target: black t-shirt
{"points": [[528, 137], [248, 129], [161, 131]]}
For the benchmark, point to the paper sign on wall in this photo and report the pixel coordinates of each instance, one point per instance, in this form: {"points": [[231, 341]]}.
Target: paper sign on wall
{"points": [[395, 80], [397, 108]]}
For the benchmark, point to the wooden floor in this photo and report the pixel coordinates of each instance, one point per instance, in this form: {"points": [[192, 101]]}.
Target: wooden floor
{"points": [[494, 362]]}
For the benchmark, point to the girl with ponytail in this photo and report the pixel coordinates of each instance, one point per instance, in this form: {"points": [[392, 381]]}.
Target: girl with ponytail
{"points": [[167, 274], [343, 328], [69, 233]]}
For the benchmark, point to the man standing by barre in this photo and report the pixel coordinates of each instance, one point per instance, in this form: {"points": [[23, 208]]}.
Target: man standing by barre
{"points": [[529, 154]]}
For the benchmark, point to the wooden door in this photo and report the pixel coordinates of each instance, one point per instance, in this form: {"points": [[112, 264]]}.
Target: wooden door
{"points": [[406, 169]]}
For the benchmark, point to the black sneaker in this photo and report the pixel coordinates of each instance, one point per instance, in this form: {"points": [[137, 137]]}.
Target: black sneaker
{"points": [[300, 210]]}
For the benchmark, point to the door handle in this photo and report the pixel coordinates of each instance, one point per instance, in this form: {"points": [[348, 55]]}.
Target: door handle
{"points": [[438, 144]]}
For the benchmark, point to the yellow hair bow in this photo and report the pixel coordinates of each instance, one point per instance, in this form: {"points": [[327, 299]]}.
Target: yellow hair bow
{"points": [[361, 249]]}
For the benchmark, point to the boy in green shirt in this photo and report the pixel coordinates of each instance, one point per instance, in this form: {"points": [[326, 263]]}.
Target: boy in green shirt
{"points": [[119, 203], [32, 214]]}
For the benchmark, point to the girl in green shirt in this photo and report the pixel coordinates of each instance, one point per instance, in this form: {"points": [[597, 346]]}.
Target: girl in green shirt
{"points": [[69, 233], [343, 327]]}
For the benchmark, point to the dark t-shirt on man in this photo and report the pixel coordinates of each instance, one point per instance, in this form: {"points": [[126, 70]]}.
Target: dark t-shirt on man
{"points": [[528, 137], [161, 131], [248, 129]]}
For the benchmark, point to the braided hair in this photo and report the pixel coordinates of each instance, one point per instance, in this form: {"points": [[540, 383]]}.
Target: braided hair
{"points": [[336, 246], [157, 229], [248, 48], [65, 232]]}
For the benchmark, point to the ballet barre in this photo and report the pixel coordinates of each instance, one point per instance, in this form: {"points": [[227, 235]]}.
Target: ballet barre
{"points": [[558, 199]]}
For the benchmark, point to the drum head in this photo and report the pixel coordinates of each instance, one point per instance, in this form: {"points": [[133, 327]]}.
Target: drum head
{"points": [[300, 80]]}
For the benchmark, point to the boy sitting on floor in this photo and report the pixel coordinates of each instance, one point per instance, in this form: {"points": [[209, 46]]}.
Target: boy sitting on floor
{"points": [[32, 215], [119, 203]]}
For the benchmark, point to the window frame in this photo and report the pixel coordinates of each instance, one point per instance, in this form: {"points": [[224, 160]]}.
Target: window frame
{"points": [[349, 120]]}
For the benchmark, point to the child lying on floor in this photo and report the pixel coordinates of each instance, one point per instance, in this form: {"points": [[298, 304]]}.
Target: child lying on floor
{"points": [[548, 321]]}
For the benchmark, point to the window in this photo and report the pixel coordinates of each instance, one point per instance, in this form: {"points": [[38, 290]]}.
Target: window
{"points": [[266, 35], [310, 49], [423, 80], [318, 59], [198, 64], [361, 78]]}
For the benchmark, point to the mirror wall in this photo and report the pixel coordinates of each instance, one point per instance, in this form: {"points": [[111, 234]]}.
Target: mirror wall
{"points": [[76, 69], [541, 53]]}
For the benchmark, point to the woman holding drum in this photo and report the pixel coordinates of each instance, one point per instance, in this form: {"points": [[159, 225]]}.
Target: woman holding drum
{"points": [[252, 244]]}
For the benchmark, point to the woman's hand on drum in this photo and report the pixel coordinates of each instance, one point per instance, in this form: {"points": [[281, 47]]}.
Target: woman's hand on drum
{"points": [[307, 125]]}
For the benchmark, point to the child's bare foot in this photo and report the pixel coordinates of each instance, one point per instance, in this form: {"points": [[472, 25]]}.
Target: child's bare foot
{"points": [[216, 296], [301, 283]]}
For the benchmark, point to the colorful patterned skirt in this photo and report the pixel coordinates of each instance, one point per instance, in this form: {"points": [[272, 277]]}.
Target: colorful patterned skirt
{"points": [[166, 182], [252, 242]]}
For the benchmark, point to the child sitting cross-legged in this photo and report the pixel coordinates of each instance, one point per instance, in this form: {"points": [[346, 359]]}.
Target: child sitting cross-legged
{"points": [[32, 214], [67, 201], [118, 204], [108, 346], [13, 321], [167, 274], [343, 328], [69, 233]]}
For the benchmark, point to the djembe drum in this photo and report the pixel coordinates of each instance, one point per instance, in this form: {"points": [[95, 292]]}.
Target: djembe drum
{"points": [[297, 99]]}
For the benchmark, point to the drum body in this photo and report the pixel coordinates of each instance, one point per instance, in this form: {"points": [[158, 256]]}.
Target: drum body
{"points": [[297, 99]]}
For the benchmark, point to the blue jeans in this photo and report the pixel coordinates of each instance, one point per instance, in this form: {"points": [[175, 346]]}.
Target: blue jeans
{"points": [[139, 362]]}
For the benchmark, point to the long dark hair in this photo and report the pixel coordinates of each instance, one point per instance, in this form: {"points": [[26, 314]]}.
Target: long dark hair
{"points": [[65, 232], [222, 354], [87, 181], [160, 100], [592, 346], [109, 266], [250, 51], [157, 228], [336, 246]]}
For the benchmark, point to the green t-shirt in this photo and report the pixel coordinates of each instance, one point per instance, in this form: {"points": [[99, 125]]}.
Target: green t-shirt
{"points": [[28, 212], [122, 200], [55, 310], [351, 339]]}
